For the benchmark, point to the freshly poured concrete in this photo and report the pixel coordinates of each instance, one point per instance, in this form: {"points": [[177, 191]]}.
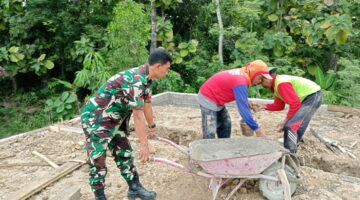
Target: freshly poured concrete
{"points": [[217, 149]]}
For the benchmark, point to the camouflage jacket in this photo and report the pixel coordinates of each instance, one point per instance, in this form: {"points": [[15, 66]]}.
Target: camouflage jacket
{"points": [[125, 91]]}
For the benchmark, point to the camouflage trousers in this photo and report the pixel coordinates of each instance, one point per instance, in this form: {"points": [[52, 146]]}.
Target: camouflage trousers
{"points": [[98, 141]]}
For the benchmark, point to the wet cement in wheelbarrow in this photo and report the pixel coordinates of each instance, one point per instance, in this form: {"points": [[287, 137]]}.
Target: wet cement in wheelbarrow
{"points": [[323, 172], [209, 150]]}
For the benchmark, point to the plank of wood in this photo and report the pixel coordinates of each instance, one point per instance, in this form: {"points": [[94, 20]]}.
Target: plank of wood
{"points": [[5, 157], [75, 120], [343, 109], [71, 129], [51, 163], [36, 187], [285, 184], [24, 164]]}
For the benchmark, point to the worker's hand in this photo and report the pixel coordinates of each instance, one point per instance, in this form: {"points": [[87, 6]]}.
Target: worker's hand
{"points": [[252, 105], [260, 133], [281, 125], [144, 152], [256, 107], [151, 133]]}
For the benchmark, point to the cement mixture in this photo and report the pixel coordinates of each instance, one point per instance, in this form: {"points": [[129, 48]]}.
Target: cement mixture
{"points": [[325, 174]]}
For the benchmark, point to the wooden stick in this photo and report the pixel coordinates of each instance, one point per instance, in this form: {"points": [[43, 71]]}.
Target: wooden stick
{"points": [[2, 158], [75, 120], [285, 184], [33, 188], [353, 144], [71, 129], [51, 163], [328, 145], [23, 164]]}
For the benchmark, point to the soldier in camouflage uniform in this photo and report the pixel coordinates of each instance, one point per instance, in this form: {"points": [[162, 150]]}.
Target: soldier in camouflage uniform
{"points": [[105, 120]]}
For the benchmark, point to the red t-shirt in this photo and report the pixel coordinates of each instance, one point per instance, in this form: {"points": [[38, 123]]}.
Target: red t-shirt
{"points": [[219, 87]]}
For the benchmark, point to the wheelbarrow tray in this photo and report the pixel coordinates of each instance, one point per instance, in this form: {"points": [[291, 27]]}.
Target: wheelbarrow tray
{"points": [[235, 156]]}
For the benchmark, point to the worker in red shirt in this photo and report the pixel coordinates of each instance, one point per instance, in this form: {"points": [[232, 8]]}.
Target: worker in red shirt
{"points": [[224, 87], [304, 98]]}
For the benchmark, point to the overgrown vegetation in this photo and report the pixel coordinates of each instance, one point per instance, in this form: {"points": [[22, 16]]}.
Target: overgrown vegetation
{"points": [[53, 54]]}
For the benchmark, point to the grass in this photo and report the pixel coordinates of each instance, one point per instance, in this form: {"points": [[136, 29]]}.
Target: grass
{"points": [[22, 113], [15, 120]]}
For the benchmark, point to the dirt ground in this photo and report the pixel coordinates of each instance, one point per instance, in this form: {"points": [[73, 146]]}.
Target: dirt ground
{"points": [[325, 174]]}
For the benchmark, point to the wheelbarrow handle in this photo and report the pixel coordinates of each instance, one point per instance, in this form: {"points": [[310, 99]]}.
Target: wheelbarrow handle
{"points": [[179, 166], [169, 162], [178, 147]]}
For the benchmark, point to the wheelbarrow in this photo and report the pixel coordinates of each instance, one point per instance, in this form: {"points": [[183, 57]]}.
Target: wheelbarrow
{"points": [[246, 158]]}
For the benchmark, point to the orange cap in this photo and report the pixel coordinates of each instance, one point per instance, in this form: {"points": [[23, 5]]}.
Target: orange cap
{"points": [[255, 68]]}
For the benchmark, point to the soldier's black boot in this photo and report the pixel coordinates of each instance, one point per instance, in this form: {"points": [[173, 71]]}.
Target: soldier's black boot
{"points": [[100, 195], [136, 190]]}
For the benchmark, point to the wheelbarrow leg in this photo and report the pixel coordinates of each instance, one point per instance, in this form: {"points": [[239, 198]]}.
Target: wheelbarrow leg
{"points": [[215, 184], [242, 181]]}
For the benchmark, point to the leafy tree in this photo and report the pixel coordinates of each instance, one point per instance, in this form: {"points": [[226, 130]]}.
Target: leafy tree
{"points": [[129, 36], [349, 82], [95, 71]]}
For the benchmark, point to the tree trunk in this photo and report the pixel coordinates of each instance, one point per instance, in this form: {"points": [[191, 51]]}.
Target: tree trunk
{"points": [[221, 31], [153, 26], [333, 62], [14, 84]]}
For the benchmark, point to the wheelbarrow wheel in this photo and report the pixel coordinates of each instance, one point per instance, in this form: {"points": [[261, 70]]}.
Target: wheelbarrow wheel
{"points": [[273, 190]]}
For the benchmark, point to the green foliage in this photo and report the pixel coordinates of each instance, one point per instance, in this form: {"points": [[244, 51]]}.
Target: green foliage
{"points": [[23, 114], [165, 37], [20, 60], [165, 32], [166, 3], [337, 28], [286, 66], [249, 44], [280, 43], [246, 13], [348, 83], [61, 107], [184, 49], [56, 86], [325, 81], [94, 73], [172, 82], [129, 36]]}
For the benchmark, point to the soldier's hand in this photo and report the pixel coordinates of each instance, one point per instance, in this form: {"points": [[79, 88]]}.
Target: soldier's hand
{"points": [[144, 152], [151, 133]]}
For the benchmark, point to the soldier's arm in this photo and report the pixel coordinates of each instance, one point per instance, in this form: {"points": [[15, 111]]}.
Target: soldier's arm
{"points": [[140, 129], [148, 111]]}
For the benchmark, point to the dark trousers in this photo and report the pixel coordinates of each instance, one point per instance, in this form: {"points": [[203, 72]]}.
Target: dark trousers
{"points": [[295, 127], [218, 122]]}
